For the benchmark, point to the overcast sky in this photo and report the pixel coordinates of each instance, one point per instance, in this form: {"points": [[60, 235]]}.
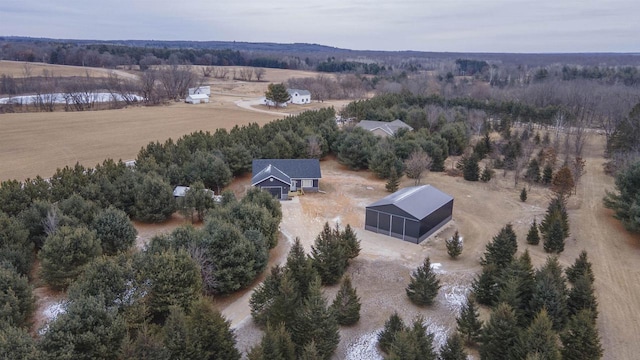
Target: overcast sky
{"points": [[425, 25]]}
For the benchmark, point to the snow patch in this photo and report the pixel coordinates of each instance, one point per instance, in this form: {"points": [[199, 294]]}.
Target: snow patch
{"points": [[364, 348], [455, 296], [439, 332], [63, 98], [437, 268], [337, 220], [51, 312]]}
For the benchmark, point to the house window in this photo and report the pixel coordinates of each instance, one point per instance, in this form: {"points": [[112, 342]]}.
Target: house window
{"points": [[307, 183]]}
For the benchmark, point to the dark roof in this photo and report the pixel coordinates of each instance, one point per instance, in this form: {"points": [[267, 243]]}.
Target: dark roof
{"points": [[268, 172], [293, 168], [418, 201], [388, 127]]}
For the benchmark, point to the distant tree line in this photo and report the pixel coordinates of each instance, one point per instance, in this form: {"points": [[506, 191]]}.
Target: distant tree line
{"points": [[333, 66]]}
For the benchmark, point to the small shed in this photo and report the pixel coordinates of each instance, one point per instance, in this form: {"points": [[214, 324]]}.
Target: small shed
{"points": [[411, 214], [197, 98]]}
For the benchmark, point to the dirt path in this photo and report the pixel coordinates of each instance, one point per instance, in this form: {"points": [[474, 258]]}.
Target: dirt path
{"points": [[614, 254]]}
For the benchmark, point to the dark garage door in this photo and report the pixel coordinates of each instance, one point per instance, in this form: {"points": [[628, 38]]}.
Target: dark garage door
{"points": [[276, 192]]}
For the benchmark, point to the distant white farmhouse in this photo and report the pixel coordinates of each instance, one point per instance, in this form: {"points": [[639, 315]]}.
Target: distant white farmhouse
{"points": [[299, 96], [199, 95], [383, 128]]}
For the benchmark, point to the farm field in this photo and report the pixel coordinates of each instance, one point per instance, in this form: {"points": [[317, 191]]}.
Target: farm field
{"points": [[18, 69], [38, 143]]}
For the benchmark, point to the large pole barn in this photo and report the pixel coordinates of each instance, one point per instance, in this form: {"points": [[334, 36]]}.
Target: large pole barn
{"points": [[411, 214]]}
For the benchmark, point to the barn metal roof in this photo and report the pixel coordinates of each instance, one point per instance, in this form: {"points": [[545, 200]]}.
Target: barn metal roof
{"points": [[417, 201], [293, 168]]}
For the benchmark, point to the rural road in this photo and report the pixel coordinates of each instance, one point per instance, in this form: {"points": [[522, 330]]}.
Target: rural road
{"points": [[248, 104]]}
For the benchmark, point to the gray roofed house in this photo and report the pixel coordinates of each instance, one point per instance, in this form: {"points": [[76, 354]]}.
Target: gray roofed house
{"points": [[280, 176], [411, 214], [383, 128]]}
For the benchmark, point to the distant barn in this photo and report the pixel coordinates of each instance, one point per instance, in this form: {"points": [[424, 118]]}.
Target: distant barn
{"points": [[411, 214]]}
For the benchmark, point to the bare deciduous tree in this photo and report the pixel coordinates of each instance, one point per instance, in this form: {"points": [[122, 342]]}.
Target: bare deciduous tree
{"points": [[259, 73], [207, 269], [417, 163], [314, 150]]}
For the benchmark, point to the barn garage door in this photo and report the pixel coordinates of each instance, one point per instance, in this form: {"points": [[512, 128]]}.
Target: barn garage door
{"points": [[384, 223]]}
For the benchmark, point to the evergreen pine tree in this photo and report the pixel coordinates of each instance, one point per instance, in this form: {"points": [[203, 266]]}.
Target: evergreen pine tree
{"points": [[175, 333], [533, 236], [485, 285], [533, 171], [209, 334], [554, 237], [423, 341], [539, 338], [499, 339], [300, 268], [403, 347], [424, 285], [547, 174], [87, 330], [580, 339], [453, 349], [469, 323], [509, 294], [346, 305], [580, 267], [551, 293], [328, 257], [262, 297], [582, 296], [487, 174], [454, 245], [556, 211], [519, 279], [276, 344], [350, 242], [501, 250], [315, 322], [470, 168], [285, 302], [393, 182], [392, 326], [523, 195], [310, 352]]}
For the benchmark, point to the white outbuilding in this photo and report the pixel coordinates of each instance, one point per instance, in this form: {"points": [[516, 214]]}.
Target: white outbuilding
{"points": [[197, 99], [299, 96]]}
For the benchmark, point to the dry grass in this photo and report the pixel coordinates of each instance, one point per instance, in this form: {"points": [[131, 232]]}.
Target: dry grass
{"points": [[19, 69], [37, 143]]}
